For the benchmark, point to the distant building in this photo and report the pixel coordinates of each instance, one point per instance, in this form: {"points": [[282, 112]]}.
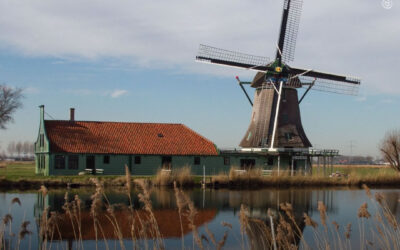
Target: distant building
{"points": [[68, 147]]}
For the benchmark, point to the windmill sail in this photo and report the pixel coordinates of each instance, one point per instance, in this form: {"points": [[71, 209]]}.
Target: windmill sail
{"points": [[328, 82], [331, 86], [275, 120], [231, 58], [289, 28]]}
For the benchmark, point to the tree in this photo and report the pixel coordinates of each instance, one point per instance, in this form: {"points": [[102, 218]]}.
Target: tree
{"points": [[390, 149], [25, 148], [11, 148], [32, 149], [18, 148], [10, 101]]}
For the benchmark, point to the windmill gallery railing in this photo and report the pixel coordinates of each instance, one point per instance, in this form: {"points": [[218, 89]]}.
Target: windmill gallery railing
{"points": [[317, 158]]}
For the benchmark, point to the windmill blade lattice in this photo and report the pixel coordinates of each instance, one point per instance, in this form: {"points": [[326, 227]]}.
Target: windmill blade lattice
{"points": [[292, 28], [231, 58], [325, 85]]}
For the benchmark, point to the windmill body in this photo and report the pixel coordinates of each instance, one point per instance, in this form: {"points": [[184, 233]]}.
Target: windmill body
{"points": [[289, 131], [275, 122]]}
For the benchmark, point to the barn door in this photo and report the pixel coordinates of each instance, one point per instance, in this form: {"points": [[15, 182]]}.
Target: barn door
{"points": [[90, 163]]}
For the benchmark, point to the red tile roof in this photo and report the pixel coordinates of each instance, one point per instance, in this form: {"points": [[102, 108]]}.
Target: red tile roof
{"points": [[126, 138]]}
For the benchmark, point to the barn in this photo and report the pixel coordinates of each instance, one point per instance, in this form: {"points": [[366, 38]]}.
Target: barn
{"points": [[70, 147]]}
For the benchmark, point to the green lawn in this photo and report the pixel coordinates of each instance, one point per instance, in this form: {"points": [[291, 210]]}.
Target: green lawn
{"points": [[18, 170], [26, 171], [359, 171]]}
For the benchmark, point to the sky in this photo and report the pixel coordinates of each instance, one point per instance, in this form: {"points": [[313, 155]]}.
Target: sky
{"points": [[131, 60]]}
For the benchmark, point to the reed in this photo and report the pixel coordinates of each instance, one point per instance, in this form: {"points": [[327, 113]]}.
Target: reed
{"points": [[181, 176], [255, 179], [286, 232]]}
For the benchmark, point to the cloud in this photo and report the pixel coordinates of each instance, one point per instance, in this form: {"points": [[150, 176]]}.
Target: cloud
{"points": [[118, 93], [351, 37]]}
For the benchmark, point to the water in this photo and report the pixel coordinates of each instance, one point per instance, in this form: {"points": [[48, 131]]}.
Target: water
{"points": [[213, 207]]}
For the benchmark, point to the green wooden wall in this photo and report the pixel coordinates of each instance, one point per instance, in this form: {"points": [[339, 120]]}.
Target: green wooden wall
{"points": [[150, 164]]}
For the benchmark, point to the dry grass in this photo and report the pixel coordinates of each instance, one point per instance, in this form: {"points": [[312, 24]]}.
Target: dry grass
{"points": [[255, 179], [181, 176], [382, 226]]}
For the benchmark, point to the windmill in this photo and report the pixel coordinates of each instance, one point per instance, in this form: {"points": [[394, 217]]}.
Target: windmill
{"points": [[275, 121]]}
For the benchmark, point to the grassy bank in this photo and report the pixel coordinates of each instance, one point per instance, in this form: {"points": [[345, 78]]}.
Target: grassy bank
{"points": [[22, 176]]}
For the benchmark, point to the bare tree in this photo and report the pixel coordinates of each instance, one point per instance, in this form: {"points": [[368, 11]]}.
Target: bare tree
{"points": [[18, 148], [32, 149], [11, 148], [25, 148], [390, 149], [10, 101]]}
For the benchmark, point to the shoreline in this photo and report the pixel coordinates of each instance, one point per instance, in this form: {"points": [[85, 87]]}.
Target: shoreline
{"points": [[215, 182]]}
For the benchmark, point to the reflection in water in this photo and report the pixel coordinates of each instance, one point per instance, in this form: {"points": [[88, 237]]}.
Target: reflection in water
{"points": [[122, 223], [213, 207]]}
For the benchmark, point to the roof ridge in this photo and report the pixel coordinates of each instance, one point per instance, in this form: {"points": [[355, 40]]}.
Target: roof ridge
{"points": [[166, 123]]}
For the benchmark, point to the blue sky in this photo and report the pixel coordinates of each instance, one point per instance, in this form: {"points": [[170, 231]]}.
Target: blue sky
{"points": [[134, 61]]}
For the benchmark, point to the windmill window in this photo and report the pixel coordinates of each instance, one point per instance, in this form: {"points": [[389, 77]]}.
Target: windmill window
{"points": [[196, 160], [73, 162], [289, 136], [138, 160], [106, 159], [59, 162], [248, 136]]}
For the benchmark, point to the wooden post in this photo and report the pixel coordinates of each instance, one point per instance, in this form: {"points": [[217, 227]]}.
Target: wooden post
{"points": [[292, 167], [324, 161]]}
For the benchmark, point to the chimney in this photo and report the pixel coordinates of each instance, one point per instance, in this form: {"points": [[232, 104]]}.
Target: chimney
{"points": [[72, 114]]}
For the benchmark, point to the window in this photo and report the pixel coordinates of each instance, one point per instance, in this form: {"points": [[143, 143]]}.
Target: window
{"points": [[196, 160], [41, 163], [289, 136], [247, 163], [138, 160], [106, 159], [59, 162], [248, 137], [166, 162], [270, 161], [41, 140], [227, 161], [73, 162]]}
